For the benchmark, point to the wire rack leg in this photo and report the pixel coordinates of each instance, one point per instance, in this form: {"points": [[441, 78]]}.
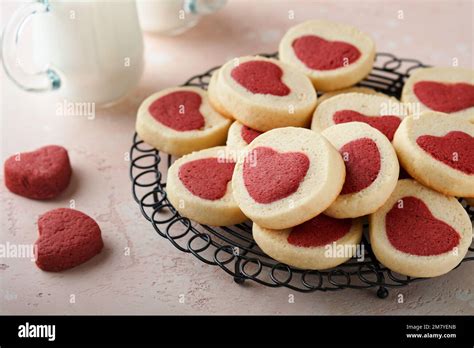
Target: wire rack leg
{"points": [[382, 292]]}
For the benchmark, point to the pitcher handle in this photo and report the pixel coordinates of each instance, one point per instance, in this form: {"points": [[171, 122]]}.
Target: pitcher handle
{"points": [[41, 81]]}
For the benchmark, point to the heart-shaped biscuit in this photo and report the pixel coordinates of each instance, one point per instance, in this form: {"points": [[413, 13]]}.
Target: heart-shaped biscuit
{"points": [[387, 124], [273, 175], [412, 229], [260, 77], [207, 178], [445, 97], [39, 174], [67, 238], [178, 110], [362, 160], [456, 149], [320, 54]]}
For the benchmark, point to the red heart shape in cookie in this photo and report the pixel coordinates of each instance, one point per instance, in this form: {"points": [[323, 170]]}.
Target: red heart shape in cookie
{"points": [[260, 77], [386, 124], [40, 174], [412, 229], [362, 161], [67, 238], [249, 134], [445, 97], [178, 110], [320, 54], [456, 149], [319, 231], [270, 175], [207, 178]]}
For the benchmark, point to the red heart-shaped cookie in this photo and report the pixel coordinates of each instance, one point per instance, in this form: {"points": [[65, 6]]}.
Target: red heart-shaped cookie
{"points": [[445, 97], [67, 238], [40, 174], [272, 175], [456, 149], [207, 178], [320, 54], [260, 77], [249, 134], [319, 231], [386, 124], [362, 160], [179, 111], [412, 229]]}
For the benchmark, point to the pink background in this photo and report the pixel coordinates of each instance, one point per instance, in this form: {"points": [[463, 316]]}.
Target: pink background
{"points": [[154, 276]]}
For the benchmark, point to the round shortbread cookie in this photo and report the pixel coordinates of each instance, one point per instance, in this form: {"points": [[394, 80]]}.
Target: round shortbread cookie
{"points": [[438, 151], [180, 120], [240, 136], [447, 89], [320, 243], [371, 169], [332, 55], [212, 92], [381, 112], [287, 176], [420, 232], [198, 186], [265, 93], [363, 90]]}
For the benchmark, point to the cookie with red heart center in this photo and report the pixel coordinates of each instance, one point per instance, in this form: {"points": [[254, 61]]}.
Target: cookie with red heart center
{"points": [[320, 243], [264, 93], [198, 186], [180, 120], [240, 135], [40, 174], [371, 169], [67, 238], [447, 89], [381, 112], [287, 176], [420, 232], [332, 55], [437, 150]]}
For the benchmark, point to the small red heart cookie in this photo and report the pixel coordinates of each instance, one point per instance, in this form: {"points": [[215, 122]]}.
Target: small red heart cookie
{"points": [[381, 112], [40, 174], [287, 176], [198, 186], [447, 89], [420, 232], [264, 93], [320, 243], [438, 151], [67, 238], [180, 120], [371, 169], [332, 55], [240, 136]]}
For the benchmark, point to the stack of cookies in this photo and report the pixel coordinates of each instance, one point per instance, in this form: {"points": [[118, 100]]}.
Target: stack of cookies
{"points": [[308, 171]]}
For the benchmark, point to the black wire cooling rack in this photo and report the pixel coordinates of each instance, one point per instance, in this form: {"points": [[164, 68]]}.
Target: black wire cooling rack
{"points": [[233, 248]]}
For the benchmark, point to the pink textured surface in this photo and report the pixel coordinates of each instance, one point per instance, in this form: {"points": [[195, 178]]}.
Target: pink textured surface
{"points": [[138, 272]]}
